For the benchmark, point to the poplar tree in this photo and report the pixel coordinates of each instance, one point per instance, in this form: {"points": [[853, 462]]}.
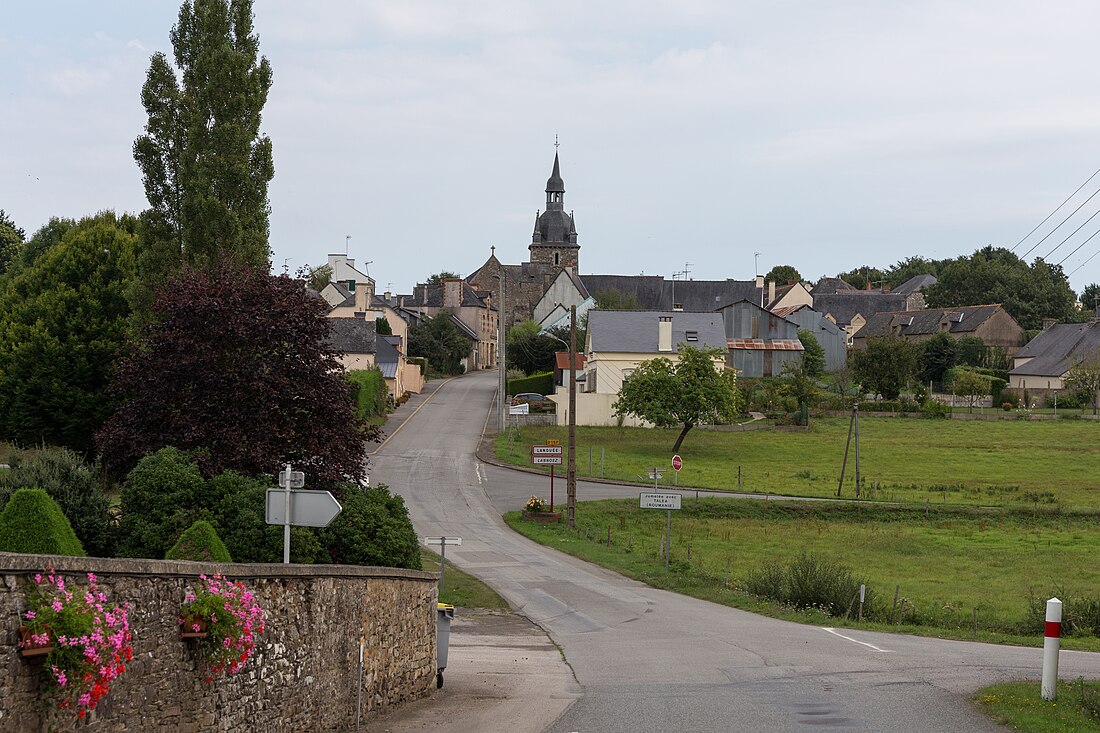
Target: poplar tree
{"points": [[203, 161]]}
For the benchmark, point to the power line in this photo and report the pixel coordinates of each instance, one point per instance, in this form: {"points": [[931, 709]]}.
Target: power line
{"points": [[1097, 252], [1044, 221], [1074, 232], [1052, 231]]}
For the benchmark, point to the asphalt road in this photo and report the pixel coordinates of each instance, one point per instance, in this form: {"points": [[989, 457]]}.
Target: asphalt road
{"points": [[649, 660]]}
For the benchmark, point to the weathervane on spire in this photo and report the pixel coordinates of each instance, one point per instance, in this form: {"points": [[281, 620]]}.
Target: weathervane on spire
{"points": [[556, 143]]}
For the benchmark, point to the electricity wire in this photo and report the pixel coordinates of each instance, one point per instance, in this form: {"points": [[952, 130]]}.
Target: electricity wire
{"points": [[1061, 222], [1044, 221], [1071, 234], [1071, 254]]}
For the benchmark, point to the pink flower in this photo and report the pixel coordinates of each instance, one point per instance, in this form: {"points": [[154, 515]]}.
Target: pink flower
{"points": [[29, 615]]}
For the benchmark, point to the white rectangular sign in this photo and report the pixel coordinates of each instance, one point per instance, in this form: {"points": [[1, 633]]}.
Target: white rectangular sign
{"points": [[308, 508], [546, 450], [546, 460], [520, 409], [442, 540], [660, 501]]}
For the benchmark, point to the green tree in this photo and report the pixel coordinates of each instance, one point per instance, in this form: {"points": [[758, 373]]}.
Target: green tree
{"points": [[1029, 293], [203, 161], [911, 267], [1090, 299], [971, 385], [801, 385], [687, 392], [199, 543], [531, 350], [863, 276], [11, 242], [63, 324], [373, 529], [438, 278], [315, 278], [612, 299], [937, 355], [33, 523], [782, 274], [1083, 378], [46, 238], [813, 354], [971, 351], [885, 365], [439, 340]]}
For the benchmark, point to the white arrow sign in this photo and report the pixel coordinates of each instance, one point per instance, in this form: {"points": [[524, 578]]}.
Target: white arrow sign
{"points": [[307, 508]]}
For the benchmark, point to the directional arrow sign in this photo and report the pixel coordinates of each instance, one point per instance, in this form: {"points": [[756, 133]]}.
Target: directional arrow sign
{"points": [[307, 508]]}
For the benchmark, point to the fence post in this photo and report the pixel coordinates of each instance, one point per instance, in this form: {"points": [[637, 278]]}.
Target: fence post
{"points": [[1051, 642]]}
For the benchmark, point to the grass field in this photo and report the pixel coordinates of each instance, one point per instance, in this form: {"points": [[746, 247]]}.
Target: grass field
{"points": [[1076, 709], [945, 564], [1005, 462]]}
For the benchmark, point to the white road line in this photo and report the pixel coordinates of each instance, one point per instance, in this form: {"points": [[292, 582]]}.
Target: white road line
{"points": [[834, 632]]}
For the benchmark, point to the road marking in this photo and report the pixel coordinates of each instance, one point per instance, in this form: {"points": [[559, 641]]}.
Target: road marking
{"points": [[834, 632]]}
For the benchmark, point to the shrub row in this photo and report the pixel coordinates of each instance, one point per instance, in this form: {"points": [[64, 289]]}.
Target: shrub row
{"points": [[369, 392], [542, 382]]}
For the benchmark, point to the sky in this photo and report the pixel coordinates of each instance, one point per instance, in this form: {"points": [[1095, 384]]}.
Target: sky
{"points": [[716, 137]]}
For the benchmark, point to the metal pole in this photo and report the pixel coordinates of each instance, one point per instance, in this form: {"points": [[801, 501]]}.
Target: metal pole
{"points": [[503, 368], [286, 518], [1051, 642], [847, 445], [442, 562], [571, 468], [551, 487]]}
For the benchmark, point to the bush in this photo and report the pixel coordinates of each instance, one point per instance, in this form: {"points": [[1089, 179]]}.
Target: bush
{"points": [[239, 517], [810, 582], [162, 496], [199, 542], [70, 482], [369, 392], [33, 523], [543, 383], [373, 529], [935, 409], [1080, 613]]}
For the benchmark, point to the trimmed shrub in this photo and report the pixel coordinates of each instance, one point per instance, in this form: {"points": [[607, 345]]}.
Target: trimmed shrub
{"points": [[370, 392], [542, 383], [199, 542], [373, 529], [70, 482], [33, 523], [162, 496]]}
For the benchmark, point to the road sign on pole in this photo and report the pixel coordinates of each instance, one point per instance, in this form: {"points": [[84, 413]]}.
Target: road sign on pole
{"points": [[677, 463], [442, 542], [650, 500], [546, 450], [298, 508]]}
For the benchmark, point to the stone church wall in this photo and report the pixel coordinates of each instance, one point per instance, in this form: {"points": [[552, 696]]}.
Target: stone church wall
{"points": [[303, 676]]}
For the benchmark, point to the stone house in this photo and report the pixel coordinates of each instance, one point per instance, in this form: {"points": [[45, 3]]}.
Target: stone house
{"points": [[850, 308], [991, 323], [1042, 365], [472, 310]]}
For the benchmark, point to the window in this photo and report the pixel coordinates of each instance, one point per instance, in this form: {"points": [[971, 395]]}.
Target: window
{"points": [[692, 335], [557, 258]]}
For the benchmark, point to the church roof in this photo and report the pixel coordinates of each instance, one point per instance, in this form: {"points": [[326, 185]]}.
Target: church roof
{"points": [[554, 184], [555, 227]]}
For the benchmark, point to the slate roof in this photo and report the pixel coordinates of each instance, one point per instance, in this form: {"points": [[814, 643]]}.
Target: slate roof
{"points": [[352, 335], [829, 286], [915, 283], [635, 332], [844, 305], [655, 293], [386, 357], [431, 296], [466, 330], [1054, 349], [964, 319], [349, 297]]}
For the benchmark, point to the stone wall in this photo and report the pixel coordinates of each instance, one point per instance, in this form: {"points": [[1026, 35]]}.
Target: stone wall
{"points": [[303, 676]]}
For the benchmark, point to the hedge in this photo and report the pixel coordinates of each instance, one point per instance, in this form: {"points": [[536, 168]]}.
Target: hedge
{"points": [[542, 383], [33, 523], [370, 391], [200, 542]]}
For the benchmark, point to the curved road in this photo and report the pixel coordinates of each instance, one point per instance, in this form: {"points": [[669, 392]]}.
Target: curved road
{"points": [[649, 660]]}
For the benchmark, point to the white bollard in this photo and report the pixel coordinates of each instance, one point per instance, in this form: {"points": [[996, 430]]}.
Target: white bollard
{"points": [[1051, 643]]}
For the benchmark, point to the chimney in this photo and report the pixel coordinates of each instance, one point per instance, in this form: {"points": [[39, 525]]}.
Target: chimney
{"points": [[1048, 322], [452, 293], [362, 297], [759, 282], [771, 292], [664, 333]]}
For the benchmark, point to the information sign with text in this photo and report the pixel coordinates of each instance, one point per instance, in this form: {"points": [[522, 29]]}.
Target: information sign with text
{"points": [[660, 501]]}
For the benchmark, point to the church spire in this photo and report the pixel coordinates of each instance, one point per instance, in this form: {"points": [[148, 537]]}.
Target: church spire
{"points": [[555, 188]]}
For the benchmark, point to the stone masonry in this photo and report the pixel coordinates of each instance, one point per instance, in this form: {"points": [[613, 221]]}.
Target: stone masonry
{"points": [[303, 676]]}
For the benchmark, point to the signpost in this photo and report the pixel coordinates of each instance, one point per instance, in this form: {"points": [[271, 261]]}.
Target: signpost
{"points": [[442, 542], [547, 455], [677, 464], [668, 502], [298, 508]]}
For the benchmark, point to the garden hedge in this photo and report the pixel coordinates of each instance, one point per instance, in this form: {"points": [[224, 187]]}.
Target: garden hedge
{"points": [[370, 392], [541, 382], [33, 523], [199, 542]]}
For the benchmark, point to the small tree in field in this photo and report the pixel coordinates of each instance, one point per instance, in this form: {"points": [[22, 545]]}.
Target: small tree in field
{"points": [[1083, 377], [237, 367], [885, 365], [970, 385], [687, 392]]}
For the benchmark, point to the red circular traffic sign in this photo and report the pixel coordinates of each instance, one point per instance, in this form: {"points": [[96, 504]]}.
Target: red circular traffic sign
{"points": [[677, 462]]}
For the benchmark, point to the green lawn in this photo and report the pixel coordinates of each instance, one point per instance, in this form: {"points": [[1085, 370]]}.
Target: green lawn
{"points": [[1006, 462], [944, 564], [1076, 709]]}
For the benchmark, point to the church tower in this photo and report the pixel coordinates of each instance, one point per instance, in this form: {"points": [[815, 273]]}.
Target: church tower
{"points": [[554, 241]]}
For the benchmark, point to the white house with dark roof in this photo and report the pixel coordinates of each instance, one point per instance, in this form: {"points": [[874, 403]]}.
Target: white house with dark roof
{"points": [[1042, 365]]}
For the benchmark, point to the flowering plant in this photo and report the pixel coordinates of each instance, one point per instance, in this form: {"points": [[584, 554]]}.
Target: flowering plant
{"points": [[232, 621], [91, 640], [535, 504]]}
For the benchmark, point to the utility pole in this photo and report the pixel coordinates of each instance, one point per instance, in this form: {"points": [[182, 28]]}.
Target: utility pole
{"points": [[571, 475], [502, 346]]}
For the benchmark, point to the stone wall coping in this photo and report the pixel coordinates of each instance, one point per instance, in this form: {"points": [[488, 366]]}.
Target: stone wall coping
{"points": [[17, 563]]}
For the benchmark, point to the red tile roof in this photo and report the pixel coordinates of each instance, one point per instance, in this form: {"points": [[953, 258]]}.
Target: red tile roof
{"points": [[561, 360]]}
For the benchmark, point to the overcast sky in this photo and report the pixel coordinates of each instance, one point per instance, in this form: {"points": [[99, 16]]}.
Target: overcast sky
{"points": [[822, 135]]}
